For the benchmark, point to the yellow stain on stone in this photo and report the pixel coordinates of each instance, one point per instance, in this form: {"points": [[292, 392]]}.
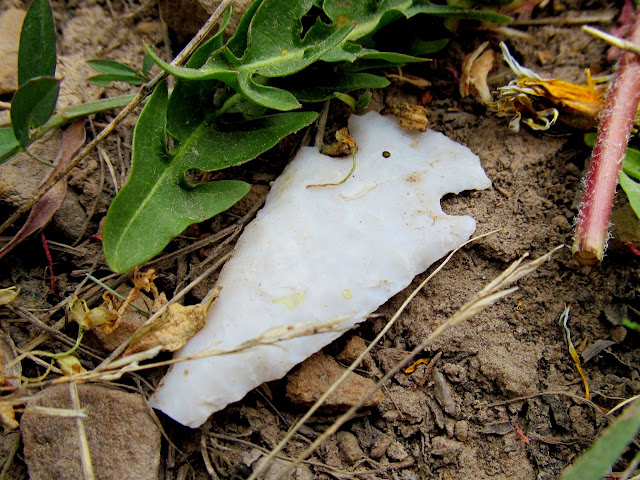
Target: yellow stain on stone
{"points": [[347, 293], [290, 301]]}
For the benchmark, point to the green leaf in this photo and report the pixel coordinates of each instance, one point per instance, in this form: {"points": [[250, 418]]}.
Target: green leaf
{"points": [[107, 78], [596, 462], [157, 202], [37, 52], [631, 164], [274, 48], [318, 84], [32, 105], [347, 99], [426, 47], [9, 145], [363, 105], [632, 189], [147, 64], [372, 16], [112, 67], [192, 100]]}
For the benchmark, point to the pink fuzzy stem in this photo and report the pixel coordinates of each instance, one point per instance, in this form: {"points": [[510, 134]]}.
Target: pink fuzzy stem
{"points": [[606, 160]]}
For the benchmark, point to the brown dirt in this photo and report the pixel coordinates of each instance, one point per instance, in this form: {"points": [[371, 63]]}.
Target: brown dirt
{"points": [[508, 367]]}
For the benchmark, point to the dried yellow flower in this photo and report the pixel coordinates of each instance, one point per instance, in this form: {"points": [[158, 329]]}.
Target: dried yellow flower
{"points": [[539, 102]]}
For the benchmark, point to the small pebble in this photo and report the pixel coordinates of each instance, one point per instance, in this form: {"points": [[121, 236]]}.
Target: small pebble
{"points": [[461, 430], [396, 451], [349, 447]]}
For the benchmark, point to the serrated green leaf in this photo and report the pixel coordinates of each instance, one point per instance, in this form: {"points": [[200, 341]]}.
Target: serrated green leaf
{"points": [[112, 67], [157, 202], [596, 462], [318, 85], [32, 105], [275, 48], [9, 145], [37, 51], [107, 78]]}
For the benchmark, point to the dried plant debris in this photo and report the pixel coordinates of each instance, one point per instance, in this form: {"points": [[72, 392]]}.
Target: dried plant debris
{"points": [[8, 295], [409, 116], [539, 102], [172, 329], [475, 68]]}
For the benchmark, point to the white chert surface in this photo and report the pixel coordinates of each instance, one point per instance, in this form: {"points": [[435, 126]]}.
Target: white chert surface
{"points": [[316, 254]]}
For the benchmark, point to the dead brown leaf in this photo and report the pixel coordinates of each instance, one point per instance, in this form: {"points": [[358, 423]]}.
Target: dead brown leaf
{"points": [[475, 68], [141, 281], [172, 329], [48, 205], [408, 78]]}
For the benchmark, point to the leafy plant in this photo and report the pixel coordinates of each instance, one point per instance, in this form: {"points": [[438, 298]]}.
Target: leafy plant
{"points": [[112, 71], [220, 113], [270, 63], [34, 103], [37, 94]]}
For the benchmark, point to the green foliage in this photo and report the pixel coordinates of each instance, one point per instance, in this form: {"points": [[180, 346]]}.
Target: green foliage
{"points": [[9, 145], [158, 202], [37, 52], [274, 48], [359, 106], [598, 460], [113, 71], [32, 105], [282, 55], [37, 95]]}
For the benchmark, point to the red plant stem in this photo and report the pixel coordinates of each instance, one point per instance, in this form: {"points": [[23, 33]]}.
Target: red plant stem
{"points": [[608, 153], [47, 253]]}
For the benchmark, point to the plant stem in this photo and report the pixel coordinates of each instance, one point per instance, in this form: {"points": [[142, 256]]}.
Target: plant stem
{"points": [[606, 160], [228, 103]]}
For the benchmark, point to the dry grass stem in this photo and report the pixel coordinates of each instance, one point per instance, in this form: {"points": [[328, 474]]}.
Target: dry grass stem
{"points": [[59, 412], [205, 458], [485, 297], [85, 454], [357, 361], [129, 364]]}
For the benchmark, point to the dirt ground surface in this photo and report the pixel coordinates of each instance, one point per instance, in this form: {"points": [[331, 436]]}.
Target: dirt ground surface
{"points": [[501, 397]]}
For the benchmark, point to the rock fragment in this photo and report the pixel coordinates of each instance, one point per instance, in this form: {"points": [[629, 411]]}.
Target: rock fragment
{"points": [[124, 441], [444, 393], [349, 447], [317, 374]]}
